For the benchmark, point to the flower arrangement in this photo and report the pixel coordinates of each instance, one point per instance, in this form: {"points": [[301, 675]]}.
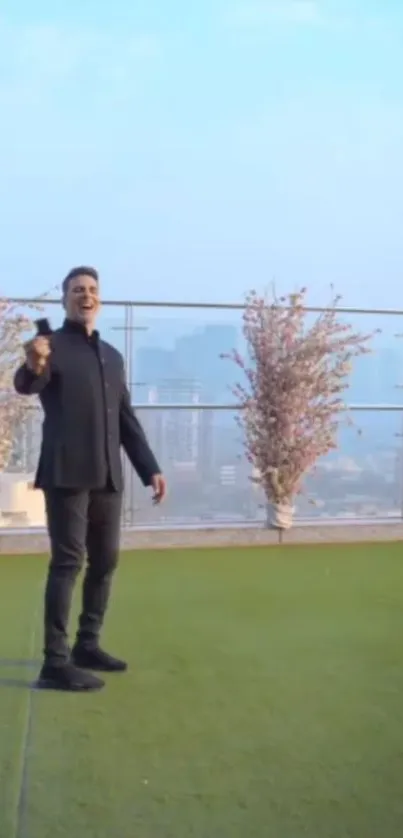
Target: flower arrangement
{"points": [[14, 325], [291, 403]]}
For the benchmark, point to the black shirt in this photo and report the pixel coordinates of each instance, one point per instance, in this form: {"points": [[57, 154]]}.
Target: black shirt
{"points": [[87, 415], [92, 360]]}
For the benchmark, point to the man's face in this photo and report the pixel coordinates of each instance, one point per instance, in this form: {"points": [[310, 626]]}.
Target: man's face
{"points": [[81, 300]]}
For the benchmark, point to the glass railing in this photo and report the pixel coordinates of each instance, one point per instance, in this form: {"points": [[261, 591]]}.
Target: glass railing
{"points": [[181, 390]]}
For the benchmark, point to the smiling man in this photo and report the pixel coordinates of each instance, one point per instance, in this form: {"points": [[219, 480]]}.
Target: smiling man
{"points": [[88, 417]]}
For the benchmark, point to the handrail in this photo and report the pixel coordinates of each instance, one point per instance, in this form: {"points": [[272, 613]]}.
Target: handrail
{"points": [[171, 304], [354, 408]]}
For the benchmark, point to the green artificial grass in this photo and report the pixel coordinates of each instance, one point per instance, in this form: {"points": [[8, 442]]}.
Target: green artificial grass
{"points": [[264, 698]]}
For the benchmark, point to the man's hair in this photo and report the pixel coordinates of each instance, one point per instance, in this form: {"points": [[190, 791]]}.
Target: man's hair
{"points": [[82, 270]]}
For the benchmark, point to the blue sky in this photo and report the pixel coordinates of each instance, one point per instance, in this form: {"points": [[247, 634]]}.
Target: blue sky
{"points": [[196, 150]]}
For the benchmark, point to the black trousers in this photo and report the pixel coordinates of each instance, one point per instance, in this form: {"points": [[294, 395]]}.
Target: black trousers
{"points": [[79, 523]]}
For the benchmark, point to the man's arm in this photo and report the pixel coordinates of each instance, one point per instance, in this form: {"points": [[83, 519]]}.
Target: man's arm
{"points": [[33, 376], [29, 383], [134, 441]]}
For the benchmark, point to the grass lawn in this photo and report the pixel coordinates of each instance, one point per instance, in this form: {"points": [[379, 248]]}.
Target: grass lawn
{"points": [[264, 700]]}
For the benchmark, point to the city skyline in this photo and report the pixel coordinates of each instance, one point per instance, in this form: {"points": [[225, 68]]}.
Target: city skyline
{"points": [[376, 377], [210, 478]]}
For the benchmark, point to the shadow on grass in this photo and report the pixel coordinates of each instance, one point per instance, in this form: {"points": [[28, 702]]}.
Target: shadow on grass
{"points": [[21, 663], [19, 683]]}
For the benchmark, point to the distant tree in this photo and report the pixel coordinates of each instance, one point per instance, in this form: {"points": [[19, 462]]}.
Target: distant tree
{"points": [[291, 403]]}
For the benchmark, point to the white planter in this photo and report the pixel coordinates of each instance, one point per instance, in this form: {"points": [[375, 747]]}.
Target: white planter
{"points": [[280, 516]]}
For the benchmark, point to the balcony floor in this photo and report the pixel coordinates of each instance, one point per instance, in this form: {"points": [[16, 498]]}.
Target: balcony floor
{"points": [[264, 698]]}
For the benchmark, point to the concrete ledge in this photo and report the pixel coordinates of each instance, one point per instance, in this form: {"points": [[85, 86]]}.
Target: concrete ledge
{"points": [[35, 541]]}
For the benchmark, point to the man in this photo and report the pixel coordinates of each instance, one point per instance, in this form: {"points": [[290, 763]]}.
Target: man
{"points": [[80, 381]]}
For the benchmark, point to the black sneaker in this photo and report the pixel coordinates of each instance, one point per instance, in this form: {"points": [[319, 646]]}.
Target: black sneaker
{"points": [[97, 659], [67, 677]]}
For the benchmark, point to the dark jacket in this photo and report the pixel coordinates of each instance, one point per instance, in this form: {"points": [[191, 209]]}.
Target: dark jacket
{"points": [[87, 415]]}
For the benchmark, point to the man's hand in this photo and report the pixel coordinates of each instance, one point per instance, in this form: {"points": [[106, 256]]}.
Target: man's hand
{"points": [[37, 353], [159, 486]]}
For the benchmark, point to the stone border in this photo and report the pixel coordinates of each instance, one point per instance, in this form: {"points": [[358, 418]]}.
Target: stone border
{"points": [[35, 541]]}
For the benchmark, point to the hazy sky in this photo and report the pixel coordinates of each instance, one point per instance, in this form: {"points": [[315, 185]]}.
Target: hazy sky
{"points": [[197, 148]]}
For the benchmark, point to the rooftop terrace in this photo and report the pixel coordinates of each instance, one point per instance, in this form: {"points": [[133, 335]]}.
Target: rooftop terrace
{"points": [[264, 691]]}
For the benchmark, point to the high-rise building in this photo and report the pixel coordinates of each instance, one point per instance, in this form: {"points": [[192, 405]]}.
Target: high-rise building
{"points": [[175, 430], [198, 355], [207, 446]]}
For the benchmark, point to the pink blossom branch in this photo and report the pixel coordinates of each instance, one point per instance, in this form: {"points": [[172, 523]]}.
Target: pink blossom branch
{"points": [[291, 402], [14, 331]]}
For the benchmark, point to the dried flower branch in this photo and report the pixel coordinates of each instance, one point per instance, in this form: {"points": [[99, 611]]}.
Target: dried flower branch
{"points": [[15, 326], [292, 403]]}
